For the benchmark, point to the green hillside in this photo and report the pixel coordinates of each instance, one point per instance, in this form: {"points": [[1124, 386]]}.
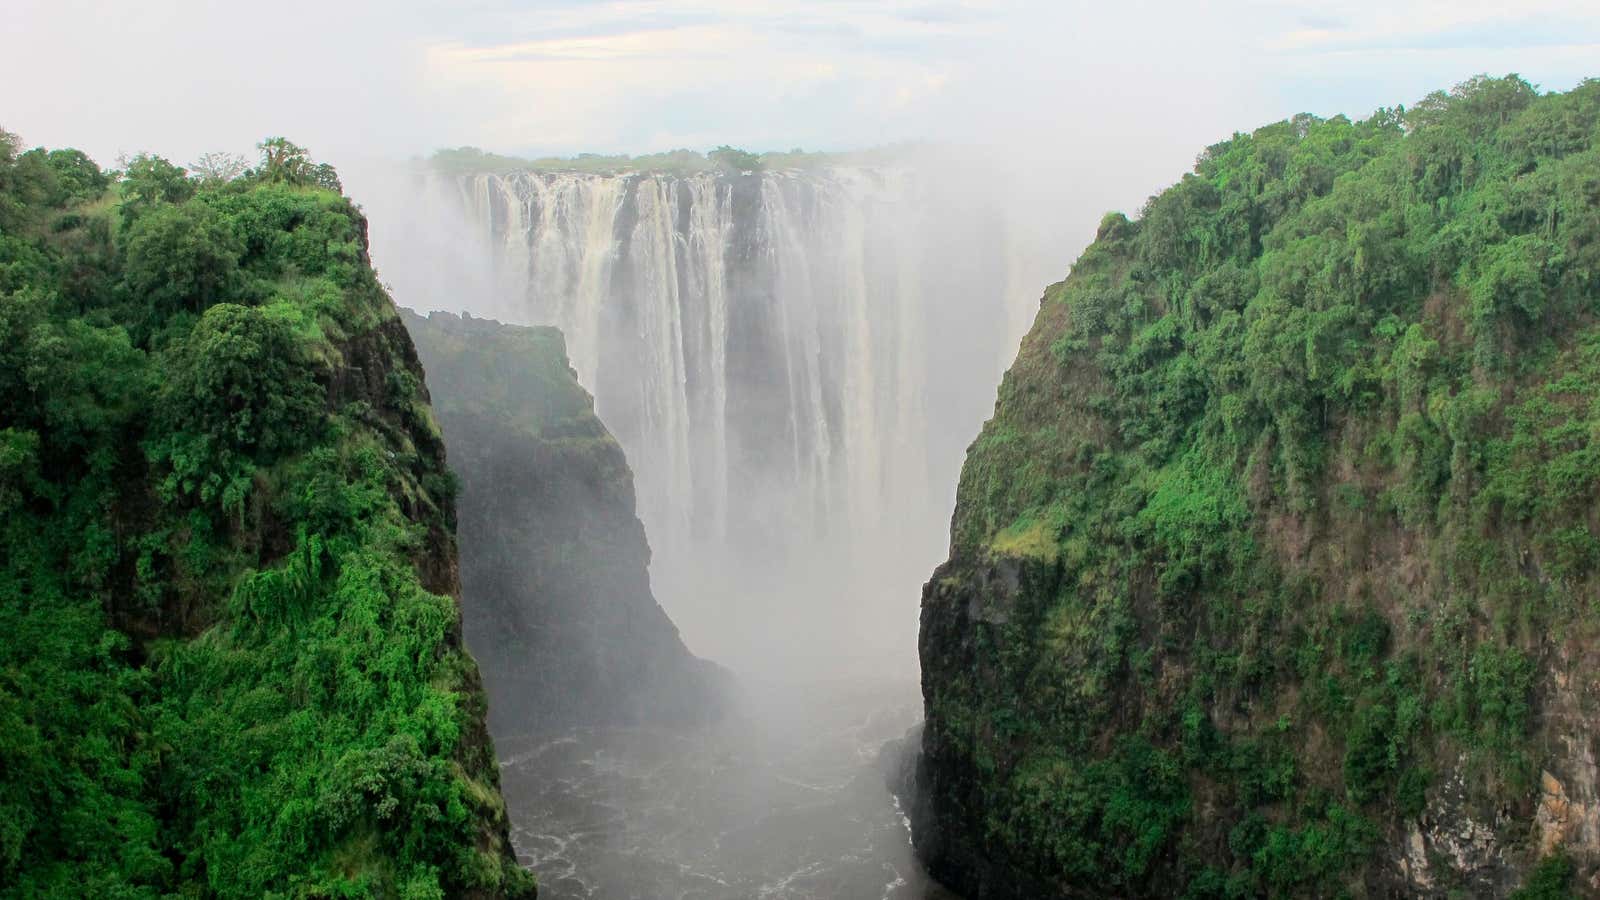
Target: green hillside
{"points": [[232, 659], [1276, 570]]}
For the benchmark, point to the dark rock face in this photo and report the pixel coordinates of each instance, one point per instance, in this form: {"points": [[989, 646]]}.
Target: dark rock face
{"points": [[555, 585], [948, 804]]}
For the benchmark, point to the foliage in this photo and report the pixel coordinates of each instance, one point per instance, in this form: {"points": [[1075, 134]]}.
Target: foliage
{"points": [[77, 178], [285, 162], [1551, 880], [179, 259], [151, 182], [735, 160], [230, 669], [238, 395], [1314, 438], [218, 166]]}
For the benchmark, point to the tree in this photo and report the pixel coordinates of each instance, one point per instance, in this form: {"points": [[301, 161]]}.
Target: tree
{"points": [[324, 176], [219, 167], [27, 184], [284, 161], [288, 163], [180, 258], [76, 175], [734, 159], [150, 180], [237, 392]]}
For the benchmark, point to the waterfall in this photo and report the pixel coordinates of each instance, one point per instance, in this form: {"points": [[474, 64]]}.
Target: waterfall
{"points": [[765, 345]]}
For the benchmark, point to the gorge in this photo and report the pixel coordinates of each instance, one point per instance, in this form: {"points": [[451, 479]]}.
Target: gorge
{"points": [[792, 360], [1244, 597]]}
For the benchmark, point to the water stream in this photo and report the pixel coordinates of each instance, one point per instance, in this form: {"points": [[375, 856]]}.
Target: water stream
{"points": [[784, 800]]}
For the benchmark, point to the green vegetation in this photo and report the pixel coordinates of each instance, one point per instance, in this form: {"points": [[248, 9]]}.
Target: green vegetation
{"points": [[1550, 880], [1317, 438], [232, 666]]}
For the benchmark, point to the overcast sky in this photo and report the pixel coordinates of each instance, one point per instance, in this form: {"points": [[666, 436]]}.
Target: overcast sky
{"points": [[1120, 90]]}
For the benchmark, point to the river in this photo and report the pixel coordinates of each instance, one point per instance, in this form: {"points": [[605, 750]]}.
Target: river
{"points": [[785, 799]]}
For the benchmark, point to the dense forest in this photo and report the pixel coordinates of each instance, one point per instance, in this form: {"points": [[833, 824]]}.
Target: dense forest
{"points": [[1275, 571], [233, 661]]}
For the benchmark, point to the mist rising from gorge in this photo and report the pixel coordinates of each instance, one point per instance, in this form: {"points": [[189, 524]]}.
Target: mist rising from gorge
{"points": [[794, 362]]}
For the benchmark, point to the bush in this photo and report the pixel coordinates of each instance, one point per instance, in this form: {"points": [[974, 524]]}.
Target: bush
{"points": [[179, 259], [237, 394], [735, 160]]}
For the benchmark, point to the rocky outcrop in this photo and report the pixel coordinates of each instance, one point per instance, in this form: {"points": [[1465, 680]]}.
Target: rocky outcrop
{"points": [[554, 561], [1274, 572]]}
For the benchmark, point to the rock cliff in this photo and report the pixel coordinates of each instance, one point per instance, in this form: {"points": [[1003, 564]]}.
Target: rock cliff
{"points": [[1275, 571], [558, 606]]}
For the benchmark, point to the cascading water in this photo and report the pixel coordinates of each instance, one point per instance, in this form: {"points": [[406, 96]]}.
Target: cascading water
{"points": [[794, 362], [764, 346]]}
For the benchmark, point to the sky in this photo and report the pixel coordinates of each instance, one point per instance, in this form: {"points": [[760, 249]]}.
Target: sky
{"points": [[1121, 94]]}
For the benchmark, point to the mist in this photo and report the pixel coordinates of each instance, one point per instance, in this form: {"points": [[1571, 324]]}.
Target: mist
{"points": [[796, 479]]}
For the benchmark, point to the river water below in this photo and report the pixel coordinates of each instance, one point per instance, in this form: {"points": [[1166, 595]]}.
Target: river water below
{"points": [[784, 800]]}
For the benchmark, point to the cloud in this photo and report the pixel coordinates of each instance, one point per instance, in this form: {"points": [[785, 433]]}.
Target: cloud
{"points": [[602, 69], [1440, 26], [941, 13]]}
